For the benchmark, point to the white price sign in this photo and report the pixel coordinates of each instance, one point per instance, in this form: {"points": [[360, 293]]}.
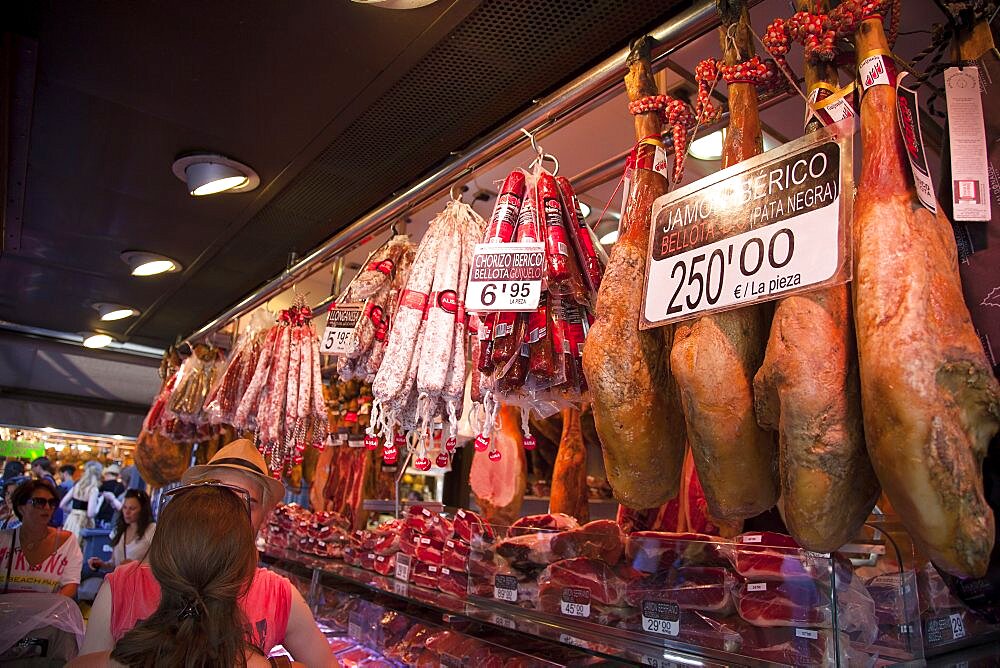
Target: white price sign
{"points": [[503, 620], [338, 337], [760, 230], [505, 588], [505, 277], [661, 617], [575, 602], [402, 567]]}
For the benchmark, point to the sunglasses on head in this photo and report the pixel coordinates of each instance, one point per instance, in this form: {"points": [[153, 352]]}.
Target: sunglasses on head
{"points": [[241, 493], [39, 502]]}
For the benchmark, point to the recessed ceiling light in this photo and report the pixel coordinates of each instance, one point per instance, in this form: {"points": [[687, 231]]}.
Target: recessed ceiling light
{"points": [[97, 340], [396, 4], [609, 238], [111, 311], [708, 147], [50, 430], [584, 208], [144, 263], [210, 173]]}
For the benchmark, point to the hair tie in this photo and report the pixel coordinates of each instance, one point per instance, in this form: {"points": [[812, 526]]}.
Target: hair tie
{"points": [[191, 609]]}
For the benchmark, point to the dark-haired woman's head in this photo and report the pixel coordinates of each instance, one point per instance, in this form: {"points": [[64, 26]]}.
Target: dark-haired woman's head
{"points": [[204, 558], [34, 502], [136, 511]]}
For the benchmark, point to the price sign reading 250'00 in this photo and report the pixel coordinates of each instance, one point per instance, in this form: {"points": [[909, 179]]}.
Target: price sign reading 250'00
{"points": [[763, 229]]}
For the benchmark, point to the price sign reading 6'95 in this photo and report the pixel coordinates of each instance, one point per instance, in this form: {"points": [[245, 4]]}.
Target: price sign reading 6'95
{"points": [[505, 277], [762, 229]]}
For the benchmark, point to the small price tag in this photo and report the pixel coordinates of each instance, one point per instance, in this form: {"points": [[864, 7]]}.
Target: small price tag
{"points": [[338, 337], [506, 277], [572, 640], [957, 626], [807, 633], [575, 602], [757, 586], [661, 617], [970, 169], [503, 620], [402, 567], [752, 538], [505, 588]]}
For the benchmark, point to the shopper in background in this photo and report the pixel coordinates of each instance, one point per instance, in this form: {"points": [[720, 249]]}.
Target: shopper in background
{"points": [[41, 467], [8, 520], [66, 473], [279, 617], [81, 502], [36, 557], [109, 492], [131, 477], [133, 531], [13, 469]]}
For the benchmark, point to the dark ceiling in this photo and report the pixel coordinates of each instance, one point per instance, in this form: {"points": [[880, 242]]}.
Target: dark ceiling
{"points": [[335, 104]]}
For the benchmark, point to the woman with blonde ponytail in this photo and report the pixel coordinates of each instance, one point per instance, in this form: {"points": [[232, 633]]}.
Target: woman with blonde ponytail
{"points": [[204, 561], [80, 503]]}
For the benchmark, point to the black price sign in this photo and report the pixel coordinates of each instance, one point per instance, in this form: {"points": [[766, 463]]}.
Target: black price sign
{"points": [[763, 229], [661, 617]]}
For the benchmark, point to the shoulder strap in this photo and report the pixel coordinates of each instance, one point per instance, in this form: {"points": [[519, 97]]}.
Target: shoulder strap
{"points": [[279, 662], [10, 560]]}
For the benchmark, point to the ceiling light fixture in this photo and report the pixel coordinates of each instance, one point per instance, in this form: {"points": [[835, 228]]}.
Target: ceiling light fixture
{"points": [[609, 238], [584, 208], [708, 147], [110, 311], [96, 340], [210, 173], [144, 263], [50, 430]]}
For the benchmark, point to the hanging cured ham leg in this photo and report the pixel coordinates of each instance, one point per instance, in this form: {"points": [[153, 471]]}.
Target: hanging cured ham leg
{"points": [[931, 403], [715, 357], [808, 391], [637, 419], [499, 486], [569, 475]]}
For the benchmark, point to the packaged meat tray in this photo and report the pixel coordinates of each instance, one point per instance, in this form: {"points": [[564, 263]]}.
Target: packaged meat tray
{"points": [[652, 551], [706, 588]]}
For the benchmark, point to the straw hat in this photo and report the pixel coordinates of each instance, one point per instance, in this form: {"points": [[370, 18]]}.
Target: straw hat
{"points": [[240, 455]]}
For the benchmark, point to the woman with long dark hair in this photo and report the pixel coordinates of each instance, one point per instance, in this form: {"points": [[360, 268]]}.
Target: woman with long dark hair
{"points": [[133, 532], [204, 559]]}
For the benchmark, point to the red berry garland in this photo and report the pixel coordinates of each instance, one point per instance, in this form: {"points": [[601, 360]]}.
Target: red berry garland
{"points": [[819, 33], [675, 113]]}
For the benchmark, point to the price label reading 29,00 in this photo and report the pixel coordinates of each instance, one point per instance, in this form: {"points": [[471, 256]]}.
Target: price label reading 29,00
{"points": [[505, 277], [759, 230]]}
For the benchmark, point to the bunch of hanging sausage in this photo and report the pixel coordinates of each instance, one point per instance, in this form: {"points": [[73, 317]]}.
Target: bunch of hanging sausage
{"points": [[283, 404], [818, 401], [519, 356], [421, 378]]}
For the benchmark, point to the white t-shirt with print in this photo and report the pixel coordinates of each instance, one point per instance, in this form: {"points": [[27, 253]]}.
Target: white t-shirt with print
{"points": [[61, 568]]}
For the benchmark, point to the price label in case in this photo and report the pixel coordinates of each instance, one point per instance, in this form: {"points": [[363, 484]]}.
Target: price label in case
{"points": [[506, 277], [505, 588], [957, 626], [661, 617], [402, 567], [572, 640], [575, 602], [503, 620], [807, 633], [763, 229], [338, 337]]}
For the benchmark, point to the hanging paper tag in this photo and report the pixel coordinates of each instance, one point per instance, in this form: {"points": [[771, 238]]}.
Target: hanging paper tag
{"points": [[529, 442], [482, 443], [967, 140], [506, 277], [371, 442], [836, 107], [908, 114], [627, 180], [877, 70], [660, 165]]}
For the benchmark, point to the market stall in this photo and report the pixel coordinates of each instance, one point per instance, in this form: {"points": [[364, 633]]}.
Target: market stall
{"points": [[595, 382]]}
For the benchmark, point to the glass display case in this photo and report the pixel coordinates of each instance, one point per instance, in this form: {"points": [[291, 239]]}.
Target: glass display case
{"points": [[655, 598]]}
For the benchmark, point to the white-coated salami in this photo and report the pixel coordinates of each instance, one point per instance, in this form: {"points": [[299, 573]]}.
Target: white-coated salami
{"points": [[442, 310], [256, 387]]}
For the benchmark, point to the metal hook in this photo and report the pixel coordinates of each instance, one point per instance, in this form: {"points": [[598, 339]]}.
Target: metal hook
{"points": [[534, 145], [461, 189]]}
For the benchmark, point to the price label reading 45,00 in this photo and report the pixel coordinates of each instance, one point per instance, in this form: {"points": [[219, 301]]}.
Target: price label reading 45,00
{"points": [[505, 277], [338, 337], [762, 229]]}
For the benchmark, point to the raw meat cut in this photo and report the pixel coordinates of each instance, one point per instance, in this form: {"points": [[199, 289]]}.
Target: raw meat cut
{"points": [[528, 551], [791, 646], [428, 550], [470, 527], [456, 555], [652, 551], [707, 588], [499, 485], [384, 565], [789, 603], [600, 539], [569, 475], [808, 391], [931, 403], [628, 370], [773, 556], [455, 583], [715, 357], [605, 586], [535, 523]]}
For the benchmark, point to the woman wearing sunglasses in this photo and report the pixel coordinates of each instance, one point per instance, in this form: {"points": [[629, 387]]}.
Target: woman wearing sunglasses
{"points": [[36, 557], [133, 531]]}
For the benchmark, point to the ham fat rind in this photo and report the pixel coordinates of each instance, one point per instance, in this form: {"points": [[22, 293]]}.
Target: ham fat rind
{"points": [[808, 391], [635, 409], [569, 474], [714, 358], [931, 403]]}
